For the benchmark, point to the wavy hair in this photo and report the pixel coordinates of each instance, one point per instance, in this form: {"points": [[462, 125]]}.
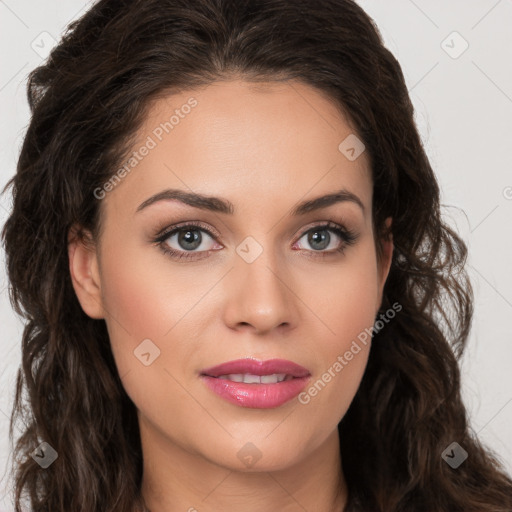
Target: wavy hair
{"points": [[87, 102]]}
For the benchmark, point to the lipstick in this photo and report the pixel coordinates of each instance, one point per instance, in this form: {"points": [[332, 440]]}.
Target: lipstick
{"points": [[257, 384]]}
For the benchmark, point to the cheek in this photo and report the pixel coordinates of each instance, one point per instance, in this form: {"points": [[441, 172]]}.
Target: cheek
{"points": [[348, 300], [143, 293], [348, 309], [147, 298], [146, 320], [139, 305]]}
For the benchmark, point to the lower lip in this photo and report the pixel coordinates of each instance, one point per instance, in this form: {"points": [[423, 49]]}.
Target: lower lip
{"points": [[257, 396]]}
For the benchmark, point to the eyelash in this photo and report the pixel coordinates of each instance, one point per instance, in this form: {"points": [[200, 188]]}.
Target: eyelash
{"points": [[347, 236]]}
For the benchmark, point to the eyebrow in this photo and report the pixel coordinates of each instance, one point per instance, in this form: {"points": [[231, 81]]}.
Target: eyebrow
{"points": [[219, 205]]}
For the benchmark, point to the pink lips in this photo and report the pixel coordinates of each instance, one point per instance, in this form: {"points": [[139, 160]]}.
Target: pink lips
{"points": [[257, 395]]}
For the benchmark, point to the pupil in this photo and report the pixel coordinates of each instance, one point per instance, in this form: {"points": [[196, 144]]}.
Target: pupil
{"points": [[190, 237], [313, 239]]}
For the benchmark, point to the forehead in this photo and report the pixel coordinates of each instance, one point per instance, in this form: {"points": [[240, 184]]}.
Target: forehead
{"points": [[236, 139]]}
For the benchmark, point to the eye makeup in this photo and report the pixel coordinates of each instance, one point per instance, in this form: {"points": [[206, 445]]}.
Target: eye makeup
{"points": [[346, 236]]}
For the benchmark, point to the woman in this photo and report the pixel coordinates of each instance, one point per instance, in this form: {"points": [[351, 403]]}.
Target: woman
{"points": [[306, 357]]}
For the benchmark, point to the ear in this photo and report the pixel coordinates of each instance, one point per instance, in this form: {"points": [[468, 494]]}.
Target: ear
{"points": [[83, 267], [384, 264]]}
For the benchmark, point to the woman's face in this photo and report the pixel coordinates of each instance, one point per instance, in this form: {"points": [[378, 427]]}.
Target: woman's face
{"points": [[256, 279]]}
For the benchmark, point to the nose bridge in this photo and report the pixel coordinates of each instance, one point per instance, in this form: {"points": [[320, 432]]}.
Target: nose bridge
{"points": [[259, 293]]}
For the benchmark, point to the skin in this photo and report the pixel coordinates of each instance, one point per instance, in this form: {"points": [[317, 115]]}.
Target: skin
{"points": [[264, 148]]}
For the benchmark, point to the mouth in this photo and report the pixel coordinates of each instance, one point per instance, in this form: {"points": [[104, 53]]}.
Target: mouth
{"points": [[248, 370], [256, 384], [248, 378]]}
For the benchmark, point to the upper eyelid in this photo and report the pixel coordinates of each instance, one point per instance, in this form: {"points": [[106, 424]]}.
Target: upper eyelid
{"points": [[169, 230]]}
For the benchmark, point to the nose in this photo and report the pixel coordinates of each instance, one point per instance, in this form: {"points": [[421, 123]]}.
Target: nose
{"points": [[259, 295]]}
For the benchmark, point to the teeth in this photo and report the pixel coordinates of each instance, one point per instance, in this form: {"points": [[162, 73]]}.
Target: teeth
{"points": [[247, 378], [252, 379]]}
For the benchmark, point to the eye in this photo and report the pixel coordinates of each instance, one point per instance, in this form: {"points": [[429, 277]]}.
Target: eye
{"points": [[319, 238], [189, 238]]}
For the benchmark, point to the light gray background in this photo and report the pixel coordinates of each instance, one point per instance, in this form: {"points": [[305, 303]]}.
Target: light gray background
{"points": [[464, 113]]}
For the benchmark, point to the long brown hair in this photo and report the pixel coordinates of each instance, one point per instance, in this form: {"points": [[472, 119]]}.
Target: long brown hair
{"points": [[87, 102]]}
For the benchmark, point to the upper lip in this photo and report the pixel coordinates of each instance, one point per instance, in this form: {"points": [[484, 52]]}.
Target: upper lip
{"points": [[256, 367]]}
